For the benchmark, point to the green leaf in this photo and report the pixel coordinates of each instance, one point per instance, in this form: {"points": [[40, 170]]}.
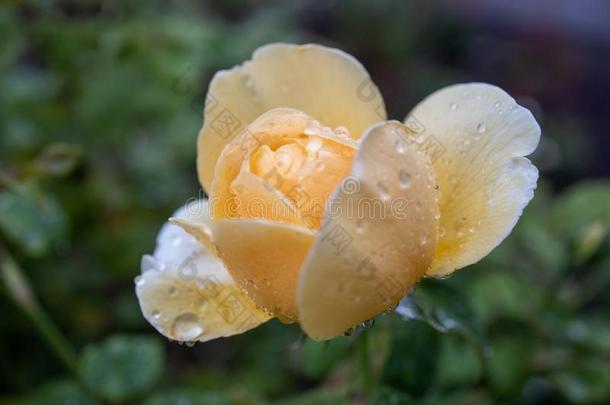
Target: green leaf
{"points": [[60, 392], [587, 383], [323, 396], [57, 159], [442, 307], [188, 397], [122, 366], [33, 222], [584, 206], [317, 358]]}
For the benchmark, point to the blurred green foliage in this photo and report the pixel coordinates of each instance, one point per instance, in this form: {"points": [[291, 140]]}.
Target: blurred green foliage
{"points": [[100, 104]]}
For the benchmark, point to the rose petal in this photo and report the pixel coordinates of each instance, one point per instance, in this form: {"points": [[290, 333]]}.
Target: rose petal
{"points": [[377, 240], [476, 136], [264, 257], [325, 83], [186, 293]]}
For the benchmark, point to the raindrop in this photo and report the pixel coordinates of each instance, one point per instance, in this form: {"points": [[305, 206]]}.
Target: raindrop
{"points": [[404, 178], [342, 131], [187, 328], [400, 147], [314, 145], [359, 226], [139, 280], [320, 166], [249, 82], [453, 106], [424, 239], [497, 104], [368, 323], [481, 128], [176, 241], [156, 314], [311, 130], [148, 263], [383, 191]]}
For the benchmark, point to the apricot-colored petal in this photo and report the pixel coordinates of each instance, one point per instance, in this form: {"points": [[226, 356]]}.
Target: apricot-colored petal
{"points": [[327, 84], [476, 136], [377, 238], [281, 168], [184, 290], [264, 257]]}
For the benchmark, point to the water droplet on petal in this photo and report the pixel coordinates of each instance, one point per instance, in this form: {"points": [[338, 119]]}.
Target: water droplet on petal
{"points": [[453, 106], [384, 194], [139, 280], [400, 147], [156, 314], [314, 145], [497, 104], [404, 179], [359, 226], [187, 328], [481, 128], [369, 323]]}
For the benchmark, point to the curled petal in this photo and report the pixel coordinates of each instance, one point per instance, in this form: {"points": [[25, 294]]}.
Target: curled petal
{"points": [[185, 292], [325, 83], [476, 136], [377, 239], [264, 257]]}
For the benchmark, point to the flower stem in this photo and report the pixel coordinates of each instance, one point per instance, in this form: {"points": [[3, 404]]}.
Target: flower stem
{"points": [[364, 357], [17, 288]]}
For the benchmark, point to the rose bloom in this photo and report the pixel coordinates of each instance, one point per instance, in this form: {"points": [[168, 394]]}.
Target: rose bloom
{"points": [[320, 211]]}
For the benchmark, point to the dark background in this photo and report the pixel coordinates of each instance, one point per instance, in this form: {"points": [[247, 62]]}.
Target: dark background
{"points": [[100, 105]]}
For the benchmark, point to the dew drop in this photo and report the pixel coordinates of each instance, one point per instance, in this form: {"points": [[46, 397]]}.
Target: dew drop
{"points": [[249, 82], [424, 239], [404, 179], [320, 166], [481, 128], [314, 145], [369, 323], [187, 328], [383, 191], [342, 131], [453, 106], [311, 130], [359, 226], [497, 104], [400, 147], [156, 314], [148, 263], [139, 280]]}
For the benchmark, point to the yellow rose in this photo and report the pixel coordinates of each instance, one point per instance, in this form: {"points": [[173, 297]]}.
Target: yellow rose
{"points": [[322, 212]]}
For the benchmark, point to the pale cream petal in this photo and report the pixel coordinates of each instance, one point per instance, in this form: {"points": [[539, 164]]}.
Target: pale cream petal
{"points": [[378, 237], [476, 135], [325, 83], [265, 257], [186, 293]]}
